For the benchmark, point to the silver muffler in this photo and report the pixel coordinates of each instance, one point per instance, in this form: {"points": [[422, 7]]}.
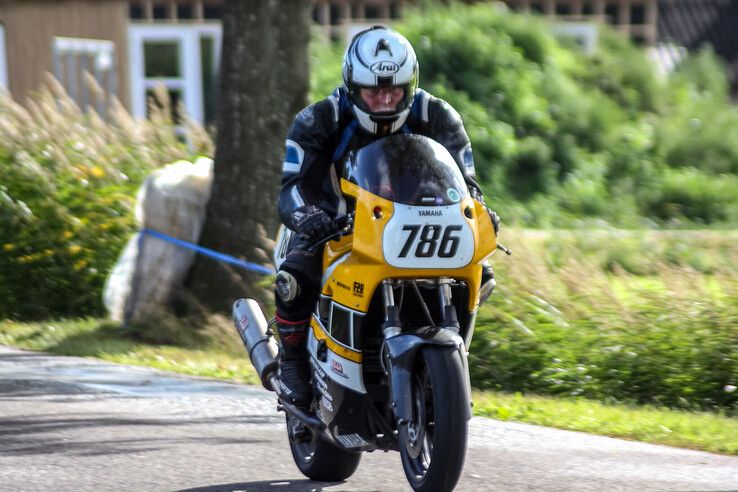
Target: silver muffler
{"points": [[262, 347]]}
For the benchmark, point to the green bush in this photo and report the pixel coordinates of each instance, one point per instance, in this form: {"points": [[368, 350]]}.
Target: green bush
{"points": [[540, 112], [693, 195], [67, 185]]}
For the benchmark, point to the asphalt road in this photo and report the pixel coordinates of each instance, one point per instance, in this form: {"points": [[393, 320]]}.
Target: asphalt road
{"points": [[81, 425]]}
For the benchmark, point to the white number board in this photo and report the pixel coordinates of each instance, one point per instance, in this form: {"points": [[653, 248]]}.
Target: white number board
{"points": [[428, 237]]}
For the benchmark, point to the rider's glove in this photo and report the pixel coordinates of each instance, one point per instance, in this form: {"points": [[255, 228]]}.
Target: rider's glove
{"points": [[312, 222], [495, 220]]}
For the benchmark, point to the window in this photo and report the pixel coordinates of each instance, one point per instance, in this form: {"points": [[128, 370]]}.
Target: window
{"points": [[185, 11], [563, 8], [611, 11], [161, 59], [395, 10], [335, 14], [160, 11], [73, 57], [135, 11], [183, 59], [372, 12], [637, 14], [212, 11], [3, 61]]}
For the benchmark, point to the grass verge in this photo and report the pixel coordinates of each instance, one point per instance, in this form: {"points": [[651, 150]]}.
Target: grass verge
{"points": [[221, 356], [696, 430]]}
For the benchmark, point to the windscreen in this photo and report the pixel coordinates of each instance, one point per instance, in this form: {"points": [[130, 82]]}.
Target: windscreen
{"points": [[407, 169]]}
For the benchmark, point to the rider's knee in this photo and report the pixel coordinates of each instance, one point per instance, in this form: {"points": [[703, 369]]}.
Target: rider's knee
{"points": [[295, 294]]}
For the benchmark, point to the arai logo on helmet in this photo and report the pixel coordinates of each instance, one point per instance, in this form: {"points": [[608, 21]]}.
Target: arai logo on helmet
{"points": [[385, 68]]}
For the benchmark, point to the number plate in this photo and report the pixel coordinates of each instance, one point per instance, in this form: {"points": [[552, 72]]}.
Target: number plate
{"points": [[428, 237]]}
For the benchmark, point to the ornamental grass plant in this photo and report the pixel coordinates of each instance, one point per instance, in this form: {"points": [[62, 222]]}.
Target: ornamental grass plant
{"points": [[615, 316], [68, 180]]}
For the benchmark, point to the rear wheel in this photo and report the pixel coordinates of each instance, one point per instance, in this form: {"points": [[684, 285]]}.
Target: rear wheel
{"points": [[433, 443], [316, 458]]}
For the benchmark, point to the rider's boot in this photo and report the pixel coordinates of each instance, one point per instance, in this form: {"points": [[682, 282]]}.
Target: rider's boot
{"points": [[294, 373]]}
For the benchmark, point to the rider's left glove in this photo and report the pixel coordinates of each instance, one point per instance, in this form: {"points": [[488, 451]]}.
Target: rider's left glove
{"points": [[312, 222]]}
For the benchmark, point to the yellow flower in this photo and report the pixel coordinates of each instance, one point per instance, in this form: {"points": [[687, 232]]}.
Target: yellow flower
{"points": [[29, 258], [67, 234], [8, 247], [80, 265], [74, 249], [97, 171]]}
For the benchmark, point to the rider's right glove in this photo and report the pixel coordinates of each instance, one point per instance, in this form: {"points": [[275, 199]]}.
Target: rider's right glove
{"points": [[312, 222]]}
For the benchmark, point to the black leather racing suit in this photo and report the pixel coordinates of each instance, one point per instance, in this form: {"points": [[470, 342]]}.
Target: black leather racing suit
{"points": [[320, 136]]}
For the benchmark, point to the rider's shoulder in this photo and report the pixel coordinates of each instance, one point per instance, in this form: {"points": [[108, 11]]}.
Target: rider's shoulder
{"points": [[323, 116], [440, 112]]}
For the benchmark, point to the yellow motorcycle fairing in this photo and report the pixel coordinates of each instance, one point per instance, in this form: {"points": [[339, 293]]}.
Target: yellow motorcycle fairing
{"points": [[355, 265]]}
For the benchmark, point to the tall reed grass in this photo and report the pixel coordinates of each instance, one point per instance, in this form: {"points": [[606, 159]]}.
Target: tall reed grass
{"points": [[68, 178], [629, 316]]}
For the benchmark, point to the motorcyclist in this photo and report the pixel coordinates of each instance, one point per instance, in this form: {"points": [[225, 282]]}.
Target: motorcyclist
{"points": [[379, 97]]}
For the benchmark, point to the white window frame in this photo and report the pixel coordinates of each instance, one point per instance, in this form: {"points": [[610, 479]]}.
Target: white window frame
{"points": [[97, 57], [3, 59], [190, 82]]}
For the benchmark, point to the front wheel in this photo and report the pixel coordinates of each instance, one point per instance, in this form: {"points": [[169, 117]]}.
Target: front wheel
{"points": [[433, 443], [316, 458]]}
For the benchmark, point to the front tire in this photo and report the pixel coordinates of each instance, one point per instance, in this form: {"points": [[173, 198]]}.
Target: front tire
{"points": [[433, 444], [318, 459]]}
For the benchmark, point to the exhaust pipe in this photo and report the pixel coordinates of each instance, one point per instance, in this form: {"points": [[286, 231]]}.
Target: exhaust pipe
{"points": [[262, 348]]}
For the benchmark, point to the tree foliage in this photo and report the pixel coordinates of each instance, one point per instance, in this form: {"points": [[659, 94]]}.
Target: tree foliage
{"points": [[565, 138]]}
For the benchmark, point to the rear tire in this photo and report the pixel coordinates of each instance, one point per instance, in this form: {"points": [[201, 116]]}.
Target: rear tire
{"points": [[318, 459], [433, 444]]}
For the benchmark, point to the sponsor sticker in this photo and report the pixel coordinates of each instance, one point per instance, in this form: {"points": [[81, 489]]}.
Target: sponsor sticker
{"points": [[358, 289], [453, 195], [306, 116], [342, 285], [337, 368], [385, 68]]}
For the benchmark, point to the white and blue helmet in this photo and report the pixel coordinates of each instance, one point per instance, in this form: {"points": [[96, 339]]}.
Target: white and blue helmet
{"points": [[380, 57]]}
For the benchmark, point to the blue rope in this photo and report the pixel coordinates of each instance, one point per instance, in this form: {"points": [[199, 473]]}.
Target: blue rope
{"points": [[209, 252]]}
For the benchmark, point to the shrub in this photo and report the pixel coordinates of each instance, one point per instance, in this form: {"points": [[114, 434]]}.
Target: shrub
{"points": [[539, 111], [67, 186]]}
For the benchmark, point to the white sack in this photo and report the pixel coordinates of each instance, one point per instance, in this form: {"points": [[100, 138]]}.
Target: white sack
{"points": [[172, 201]]}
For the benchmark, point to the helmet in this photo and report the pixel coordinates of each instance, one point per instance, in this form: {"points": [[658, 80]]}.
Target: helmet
{"points": [[380, 58]]}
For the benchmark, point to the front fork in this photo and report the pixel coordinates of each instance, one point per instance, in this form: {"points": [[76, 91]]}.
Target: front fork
{"points": [[400, 349]]}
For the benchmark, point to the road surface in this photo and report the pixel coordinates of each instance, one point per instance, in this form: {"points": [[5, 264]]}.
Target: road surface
{"points": [[74, 424]]}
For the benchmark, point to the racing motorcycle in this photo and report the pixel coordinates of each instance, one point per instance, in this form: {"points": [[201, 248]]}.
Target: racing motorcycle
{"points": [[390, 333]]}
